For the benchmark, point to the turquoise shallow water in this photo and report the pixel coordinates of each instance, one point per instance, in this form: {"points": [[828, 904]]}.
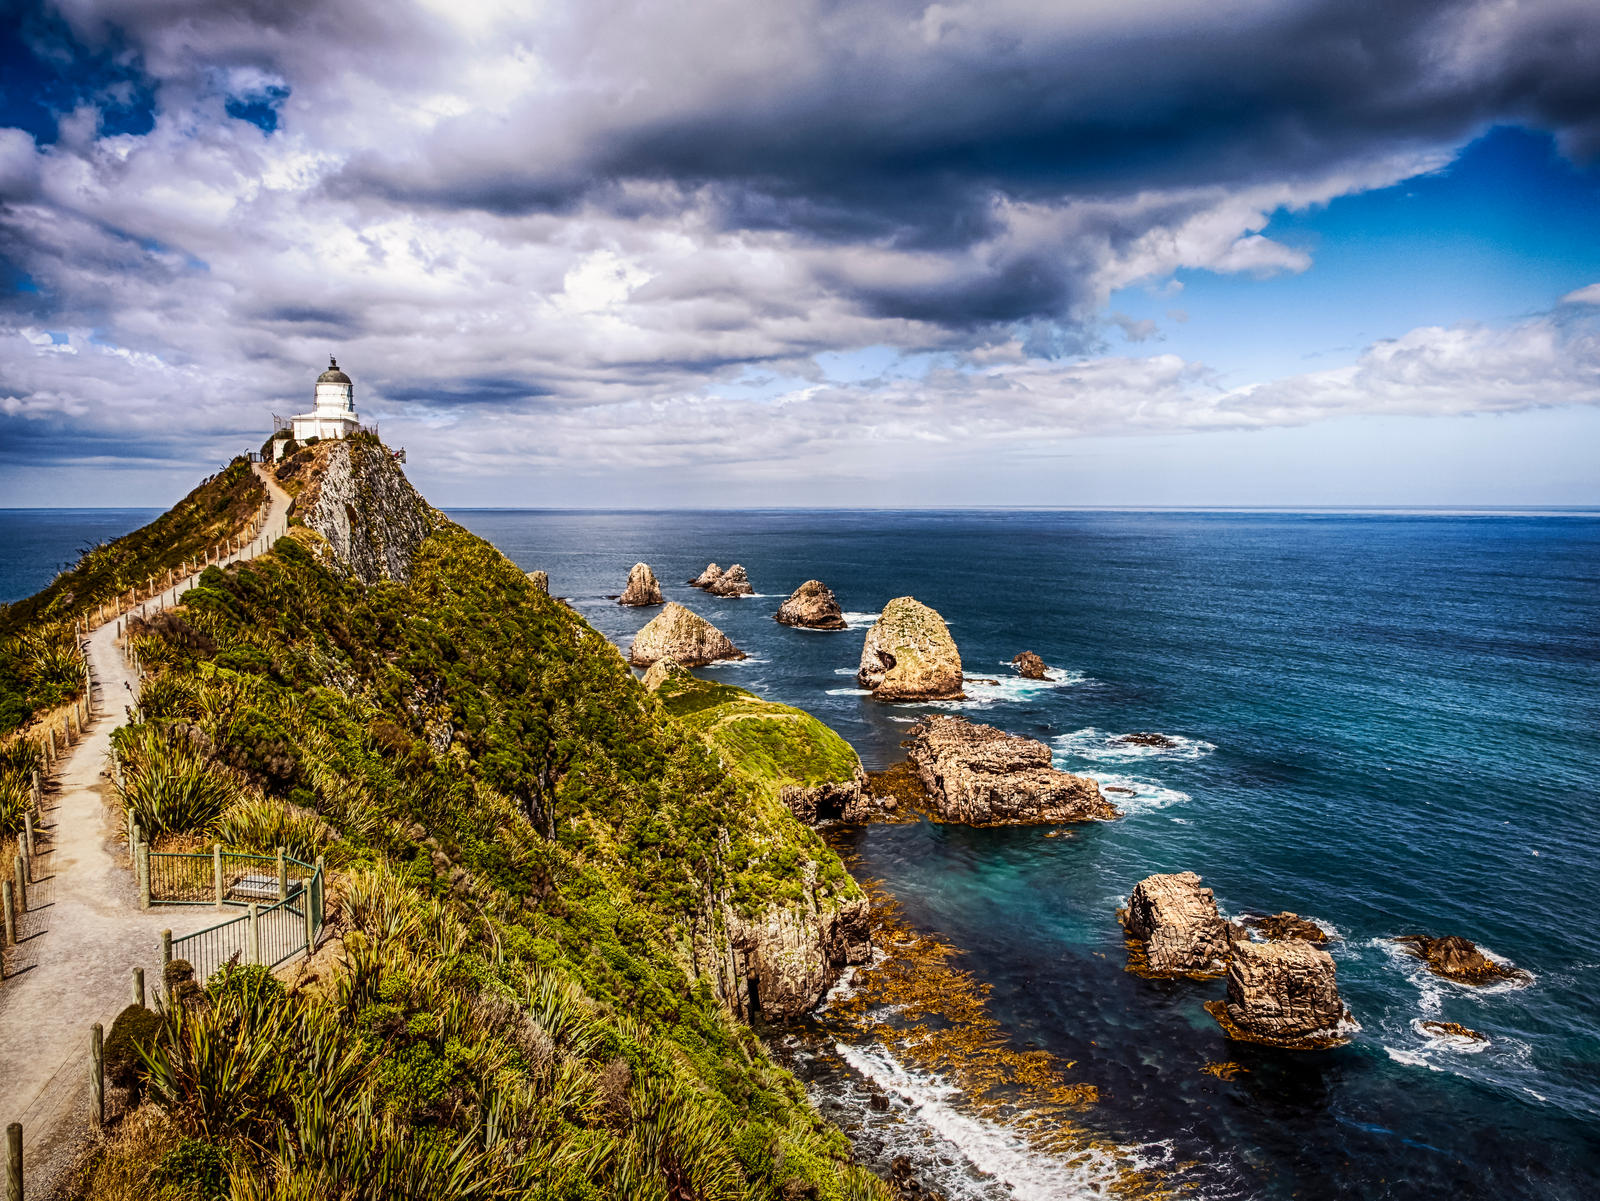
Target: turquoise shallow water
{"points": [[1385, 722]]}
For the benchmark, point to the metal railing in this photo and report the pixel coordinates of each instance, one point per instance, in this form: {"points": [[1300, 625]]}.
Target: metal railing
{"points": [[284, 900]]}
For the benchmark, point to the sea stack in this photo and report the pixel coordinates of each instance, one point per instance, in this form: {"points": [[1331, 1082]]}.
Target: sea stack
{"points": [[733, 582], [540, 580], [1030, 667], [680, 634], [812, 606], [708, 577], [909, 655], [982, 776], [1456, 958], [1282, 994], [642, 587], [1175, 924]]}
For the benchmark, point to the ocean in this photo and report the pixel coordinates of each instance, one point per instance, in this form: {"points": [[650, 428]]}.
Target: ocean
{"points": [[1386, 722]]}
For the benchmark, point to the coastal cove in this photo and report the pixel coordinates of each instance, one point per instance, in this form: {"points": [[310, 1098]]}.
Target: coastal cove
{"points": [[1383, 722]]}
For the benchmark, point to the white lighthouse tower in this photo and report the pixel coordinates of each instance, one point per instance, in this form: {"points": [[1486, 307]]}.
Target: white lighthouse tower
{"points": [[334, 415]]}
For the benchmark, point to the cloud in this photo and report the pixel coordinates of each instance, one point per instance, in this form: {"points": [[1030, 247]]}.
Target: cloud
{"points": [[599, 223], [1588, 295]]}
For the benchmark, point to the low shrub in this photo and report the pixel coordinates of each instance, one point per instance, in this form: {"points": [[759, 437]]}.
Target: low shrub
{"points": [[263, 824], [169, 786], [134, 1027], [194, 1169]]}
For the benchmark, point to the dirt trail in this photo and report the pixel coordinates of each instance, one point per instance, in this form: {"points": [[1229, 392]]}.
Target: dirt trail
{"points": [[84, 933]]}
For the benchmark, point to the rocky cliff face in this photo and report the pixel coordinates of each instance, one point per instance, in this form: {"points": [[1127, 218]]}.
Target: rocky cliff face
{"points": [[708, 577], [785, 961], [983, 776], [680, 634], [812, 606], [1283, 994], [909, 655], [1177, 926], [540, 580], [642, 587], [359, 500]]}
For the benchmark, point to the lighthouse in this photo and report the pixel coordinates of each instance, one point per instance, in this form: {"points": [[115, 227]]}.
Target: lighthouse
{"points": [[334, 413]]}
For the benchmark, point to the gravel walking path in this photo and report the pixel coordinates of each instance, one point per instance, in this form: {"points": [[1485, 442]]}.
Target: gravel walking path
{"points": [[84, 932]]}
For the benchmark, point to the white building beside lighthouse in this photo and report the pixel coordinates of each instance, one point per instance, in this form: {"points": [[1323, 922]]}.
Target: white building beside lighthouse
{"points": [[334, 415]]}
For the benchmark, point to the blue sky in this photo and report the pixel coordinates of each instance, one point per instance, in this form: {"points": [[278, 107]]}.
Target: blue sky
{"points": [[897, 254]]}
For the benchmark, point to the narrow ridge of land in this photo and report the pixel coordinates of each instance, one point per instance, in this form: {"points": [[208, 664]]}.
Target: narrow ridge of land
{"points": [[84, 933]]}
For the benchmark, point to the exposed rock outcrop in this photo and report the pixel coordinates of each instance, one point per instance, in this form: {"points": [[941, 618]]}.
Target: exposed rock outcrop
{"points": [[708, 577], [733, 582], [662, 670], [359, 500], [982, 776], [786, 960], [1276, 927], [683, 635], [909, 655], [1283, 994], [1155, 740], [812, 606], [1176, 928], [844, 801], [642, 587], [1454, 1030], [1030, 667], [540, 581], [1458, 959]]}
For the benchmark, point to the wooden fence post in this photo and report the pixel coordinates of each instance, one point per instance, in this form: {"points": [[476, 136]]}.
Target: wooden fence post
{"points": [[138, 987], [14, 1162], [27, 834], [97, 1076], [10, 914], [255, 933], [283, 877], [22, 884], [322, 892], [142, 853]]}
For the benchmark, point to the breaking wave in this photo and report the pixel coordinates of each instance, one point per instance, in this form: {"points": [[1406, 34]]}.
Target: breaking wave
{"points": [[1099, 746]]}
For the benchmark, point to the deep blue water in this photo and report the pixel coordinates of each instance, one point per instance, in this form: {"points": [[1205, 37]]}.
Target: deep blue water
{"points": [[35, 544], [1389, 722], [1386, 722]]}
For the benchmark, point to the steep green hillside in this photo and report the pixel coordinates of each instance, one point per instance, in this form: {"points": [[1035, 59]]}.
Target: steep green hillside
{"points": [[39, 662], [552, 900]]}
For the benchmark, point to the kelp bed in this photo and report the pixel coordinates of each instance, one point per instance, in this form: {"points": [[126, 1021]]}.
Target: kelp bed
{"points": [[933, 1016]]}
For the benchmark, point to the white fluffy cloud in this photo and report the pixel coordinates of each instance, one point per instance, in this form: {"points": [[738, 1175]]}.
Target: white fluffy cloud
{"points": [[592, 228]]}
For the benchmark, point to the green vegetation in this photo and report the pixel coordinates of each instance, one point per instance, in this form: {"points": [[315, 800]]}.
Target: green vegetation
{"points": [[771, 745], [538, 857], [19, 759], [40, 665]]}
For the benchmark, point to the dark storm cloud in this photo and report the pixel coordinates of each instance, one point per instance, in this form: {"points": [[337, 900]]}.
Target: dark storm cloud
{"points": [[596, 223]]}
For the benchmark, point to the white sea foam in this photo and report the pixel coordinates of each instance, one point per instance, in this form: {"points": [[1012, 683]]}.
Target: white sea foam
{"points": [[749, 661], [1146, 795], [849, 692], [1099, 746], [859, 621], [984, 692], [844, 671], [1006, 1164]]}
